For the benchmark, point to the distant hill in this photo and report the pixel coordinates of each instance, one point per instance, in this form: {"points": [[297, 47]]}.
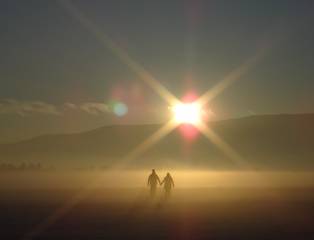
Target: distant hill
{"points": [[265, 142]]}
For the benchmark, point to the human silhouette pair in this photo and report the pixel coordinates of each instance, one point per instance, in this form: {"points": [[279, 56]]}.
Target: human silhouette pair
{"points": [[153, 181]]}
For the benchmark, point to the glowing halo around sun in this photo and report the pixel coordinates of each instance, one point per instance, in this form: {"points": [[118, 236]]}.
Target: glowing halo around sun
{"points": [[187, 113]]}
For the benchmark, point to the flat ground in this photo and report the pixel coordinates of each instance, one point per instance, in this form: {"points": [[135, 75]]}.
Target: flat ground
{"points": [[207, 213]]}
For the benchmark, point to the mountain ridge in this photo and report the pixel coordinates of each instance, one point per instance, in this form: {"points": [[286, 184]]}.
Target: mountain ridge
{"points": [[267, 141]]}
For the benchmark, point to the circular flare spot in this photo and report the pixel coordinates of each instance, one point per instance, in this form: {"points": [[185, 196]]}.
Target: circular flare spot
{"points": [[120, 109]]}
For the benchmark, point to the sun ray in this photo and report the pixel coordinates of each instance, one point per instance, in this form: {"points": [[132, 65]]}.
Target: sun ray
{"points": [[143, 74], [83, 193], [149, 142], [223, 146], [232, 77], [60, 212]]}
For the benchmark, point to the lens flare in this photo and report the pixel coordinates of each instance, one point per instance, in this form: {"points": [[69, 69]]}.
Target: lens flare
{"points": [[120, 109]]}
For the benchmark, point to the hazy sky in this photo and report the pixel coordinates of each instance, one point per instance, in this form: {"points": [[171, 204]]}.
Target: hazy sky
{"points": [[57, 76]]}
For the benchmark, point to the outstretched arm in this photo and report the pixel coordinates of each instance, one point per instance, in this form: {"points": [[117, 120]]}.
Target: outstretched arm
{"points": [[159, 180], [162, 182]]}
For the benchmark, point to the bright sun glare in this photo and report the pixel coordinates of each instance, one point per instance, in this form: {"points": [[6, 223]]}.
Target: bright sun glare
{"points": [[188, 113]]}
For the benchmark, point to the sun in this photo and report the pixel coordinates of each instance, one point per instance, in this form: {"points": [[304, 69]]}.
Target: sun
{"points": [[187, 113]]}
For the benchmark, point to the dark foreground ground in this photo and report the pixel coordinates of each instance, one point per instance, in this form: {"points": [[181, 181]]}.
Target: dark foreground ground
{"points": [[130, 214]]}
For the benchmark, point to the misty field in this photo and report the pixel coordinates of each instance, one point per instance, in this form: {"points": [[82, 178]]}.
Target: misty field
{"points": [[218, 212]]}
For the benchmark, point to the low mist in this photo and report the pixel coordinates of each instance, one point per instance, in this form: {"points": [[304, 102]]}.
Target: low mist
{"points": [[138, 179]]}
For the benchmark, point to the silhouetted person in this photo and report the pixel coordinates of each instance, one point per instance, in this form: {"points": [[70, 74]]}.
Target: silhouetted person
{"points": [[152, 182], [168, 185]]}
